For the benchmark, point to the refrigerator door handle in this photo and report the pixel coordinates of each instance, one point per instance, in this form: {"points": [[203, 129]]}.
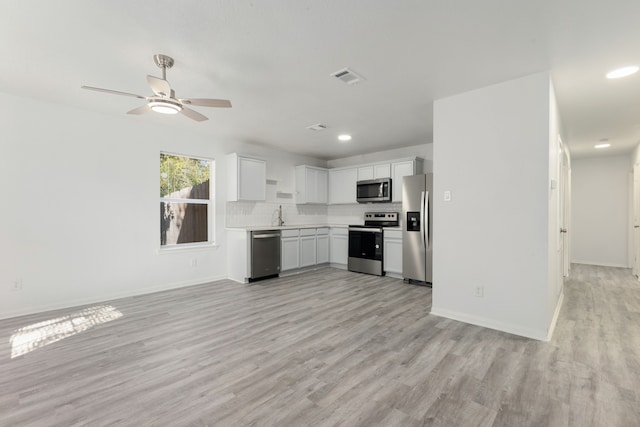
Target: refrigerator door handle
{"points": [[422, 231], [426, 219]]}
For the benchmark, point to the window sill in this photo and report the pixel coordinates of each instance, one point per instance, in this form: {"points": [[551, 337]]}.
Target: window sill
{"points": [[187, 248]]}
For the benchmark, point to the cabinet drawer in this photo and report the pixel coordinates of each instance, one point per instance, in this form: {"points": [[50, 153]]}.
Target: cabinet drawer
{"points": [[290, 233], [307, 231], [393, 234], [339, 231], [322, 231]]}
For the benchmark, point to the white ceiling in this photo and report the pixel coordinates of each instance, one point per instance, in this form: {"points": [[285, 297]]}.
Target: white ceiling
{"points": [[273, 59]]}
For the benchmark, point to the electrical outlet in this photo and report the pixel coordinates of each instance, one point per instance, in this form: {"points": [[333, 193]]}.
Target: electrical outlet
{"points": [[479, 291], [193, 262], [16, 285]]}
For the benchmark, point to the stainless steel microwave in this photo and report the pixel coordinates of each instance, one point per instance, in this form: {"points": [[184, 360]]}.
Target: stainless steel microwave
{"points": [[374, 191]]}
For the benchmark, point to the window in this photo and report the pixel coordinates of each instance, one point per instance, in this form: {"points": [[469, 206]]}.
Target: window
{"points": [[186, 200]]}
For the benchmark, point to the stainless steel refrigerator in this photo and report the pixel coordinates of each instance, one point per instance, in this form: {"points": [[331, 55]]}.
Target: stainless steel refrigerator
{"points": [[417, 228]]}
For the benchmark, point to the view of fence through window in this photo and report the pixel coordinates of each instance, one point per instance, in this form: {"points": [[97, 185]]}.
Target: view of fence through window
{"points": [[185, 199]]}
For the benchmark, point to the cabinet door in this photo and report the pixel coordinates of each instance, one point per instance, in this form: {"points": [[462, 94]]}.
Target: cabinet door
{"points": [[342, 185], [290, 252], [311, 185], [252, 179], [322, 182], [307, 251], [382, 171], [365, 172], [322, 249], [393, 255], [400, 169], [339, 246]]}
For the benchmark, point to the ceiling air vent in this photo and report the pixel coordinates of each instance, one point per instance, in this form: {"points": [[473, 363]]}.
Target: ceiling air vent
{"points": [[318, 126], [348, 76]]}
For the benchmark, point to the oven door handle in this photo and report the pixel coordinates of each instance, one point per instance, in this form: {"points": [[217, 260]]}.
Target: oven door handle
{"points": [[369, 230]]}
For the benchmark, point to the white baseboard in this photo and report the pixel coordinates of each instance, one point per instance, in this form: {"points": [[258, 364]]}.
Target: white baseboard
{"points": [[552, 327], [107, 297], [602, 264], [490, 323]]}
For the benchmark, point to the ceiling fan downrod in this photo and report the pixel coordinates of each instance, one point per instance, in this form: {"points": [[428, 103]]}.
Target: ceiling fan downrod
{"points": [[163, 62]]}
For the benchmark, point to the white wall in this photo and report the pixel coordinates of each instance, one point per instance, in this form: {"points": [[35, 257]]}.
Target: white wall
{"points": [[492, 151], [600, 215], [80, 220]]}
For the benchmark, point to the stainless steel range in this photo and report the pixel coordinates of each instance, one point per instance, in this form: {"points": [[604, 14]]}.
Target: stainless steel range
{"points": [[366, 242]]}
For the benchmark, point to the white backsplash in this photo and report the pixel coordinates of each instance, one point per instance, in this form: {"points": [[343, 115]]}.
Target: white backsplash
{"points": [[265, 214], [354, 214]]}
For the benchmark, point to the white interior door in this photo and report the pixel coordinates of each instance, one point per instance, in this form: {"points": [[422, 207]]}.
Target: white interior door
{"points": [[565, 210], [636, 220]]}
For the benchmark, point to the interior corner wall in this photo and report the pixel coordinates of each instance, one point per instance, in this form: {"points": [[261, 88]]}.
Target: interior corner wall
{"points": [[81, 222], [600, 213], [491, 151]]}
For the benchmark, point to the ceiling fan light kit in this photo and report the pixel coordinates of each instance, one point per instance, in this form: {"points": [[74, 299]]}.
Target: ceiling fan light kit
{"points": [[164, 99], [165, 106]]}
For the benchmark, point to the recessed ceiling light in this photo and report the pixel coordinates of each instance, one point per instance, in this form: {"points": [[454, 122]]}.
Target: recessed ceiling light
{"points": [[344, 137], [601, 145], [622, 72]]}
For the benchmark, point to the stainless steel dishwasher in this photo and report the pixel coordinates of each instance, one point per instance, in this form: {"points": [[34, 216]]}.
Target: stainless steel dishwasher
{"points": [[265, 254]]}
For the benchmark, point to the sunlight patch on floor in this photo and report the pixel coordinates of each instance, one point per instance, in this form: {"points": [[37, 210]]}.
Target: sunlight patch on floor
{"points": [[32, 337]]}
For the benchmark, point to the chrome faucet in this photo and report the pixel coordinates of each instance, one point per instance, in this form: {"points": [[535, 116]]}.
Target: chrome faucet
{"points": [[280, 220]]}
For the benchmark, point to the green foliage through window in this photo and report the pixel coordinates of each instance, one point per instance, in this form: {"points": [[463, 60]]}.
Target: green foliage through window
{"points": [[178, 173]]}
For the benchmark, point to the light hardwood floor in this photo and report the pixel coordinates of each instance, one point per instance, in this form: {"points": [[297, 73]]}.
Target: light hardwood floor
{"points": [[323, 348]]}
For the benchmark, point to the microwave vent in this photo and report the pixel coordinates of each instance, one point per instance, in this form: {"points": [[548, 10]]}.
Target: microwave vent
{"points": [[348, 76]]}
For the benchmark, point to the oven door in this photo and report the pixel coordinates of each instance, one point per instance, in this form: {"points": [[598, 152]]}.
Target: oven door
{"points": [[365, 250], [365, 243]]}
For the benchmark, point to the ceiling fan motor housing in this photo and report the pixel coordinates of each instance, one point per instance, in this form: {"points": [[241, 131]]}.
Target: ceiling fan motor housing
{"points": [[163, 61]]}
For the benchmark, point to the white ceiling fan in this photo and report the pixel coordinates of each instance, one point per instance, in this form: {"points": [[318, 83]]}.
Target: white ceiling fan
{"points": [[164, 99]]}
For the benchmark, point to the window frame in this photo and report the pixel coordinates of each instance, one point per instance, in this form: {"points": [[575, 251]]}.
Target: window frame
{"points": [[210, 202]]}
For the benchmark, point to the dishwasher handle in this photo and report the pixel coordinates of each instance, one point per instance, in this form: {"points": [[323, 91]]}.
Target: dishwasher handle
{"points": [[265, 236]]}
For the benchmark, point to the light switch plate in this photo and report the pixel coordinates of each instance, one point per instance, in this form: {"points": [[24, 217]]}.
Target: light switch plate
{"points": [[447, 196]]}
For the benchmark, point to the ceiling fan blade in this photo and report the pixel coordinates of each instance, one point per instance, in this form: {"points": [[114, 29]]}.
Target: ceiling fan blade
{"points": [[192, 114], [114, 92], [159, 86], [140, 110], [220, 103]]}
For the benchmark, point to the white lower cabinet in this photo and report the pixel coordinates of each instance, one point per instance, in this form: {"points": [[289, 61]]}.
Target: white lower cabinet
{"points": [[339, 245], [322, 245], [290, 250], [392, 251], [307, 247]]}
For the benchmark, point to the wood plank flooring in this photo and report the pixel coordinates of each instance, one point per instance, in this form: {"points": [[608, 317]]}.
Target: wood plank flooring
{"points": [[323, 348]]}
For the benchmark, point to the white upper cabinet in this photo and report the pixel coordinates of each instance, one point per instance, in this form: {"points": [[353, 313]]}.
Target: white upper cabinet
{"points": [[399, 170], [365, 172], [382, 170], [342, 185], [311, 185], [247, 178]]}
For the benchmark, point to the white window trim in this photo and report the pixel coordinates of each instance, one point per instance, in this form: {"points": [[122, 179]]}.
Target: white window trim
{"points": [[211, 202]]}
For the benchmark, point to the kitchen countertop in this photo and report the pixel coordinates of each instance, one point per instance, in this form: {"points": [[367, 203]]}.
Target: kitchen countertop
{"points": [[285, 227], [298, 226]]}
